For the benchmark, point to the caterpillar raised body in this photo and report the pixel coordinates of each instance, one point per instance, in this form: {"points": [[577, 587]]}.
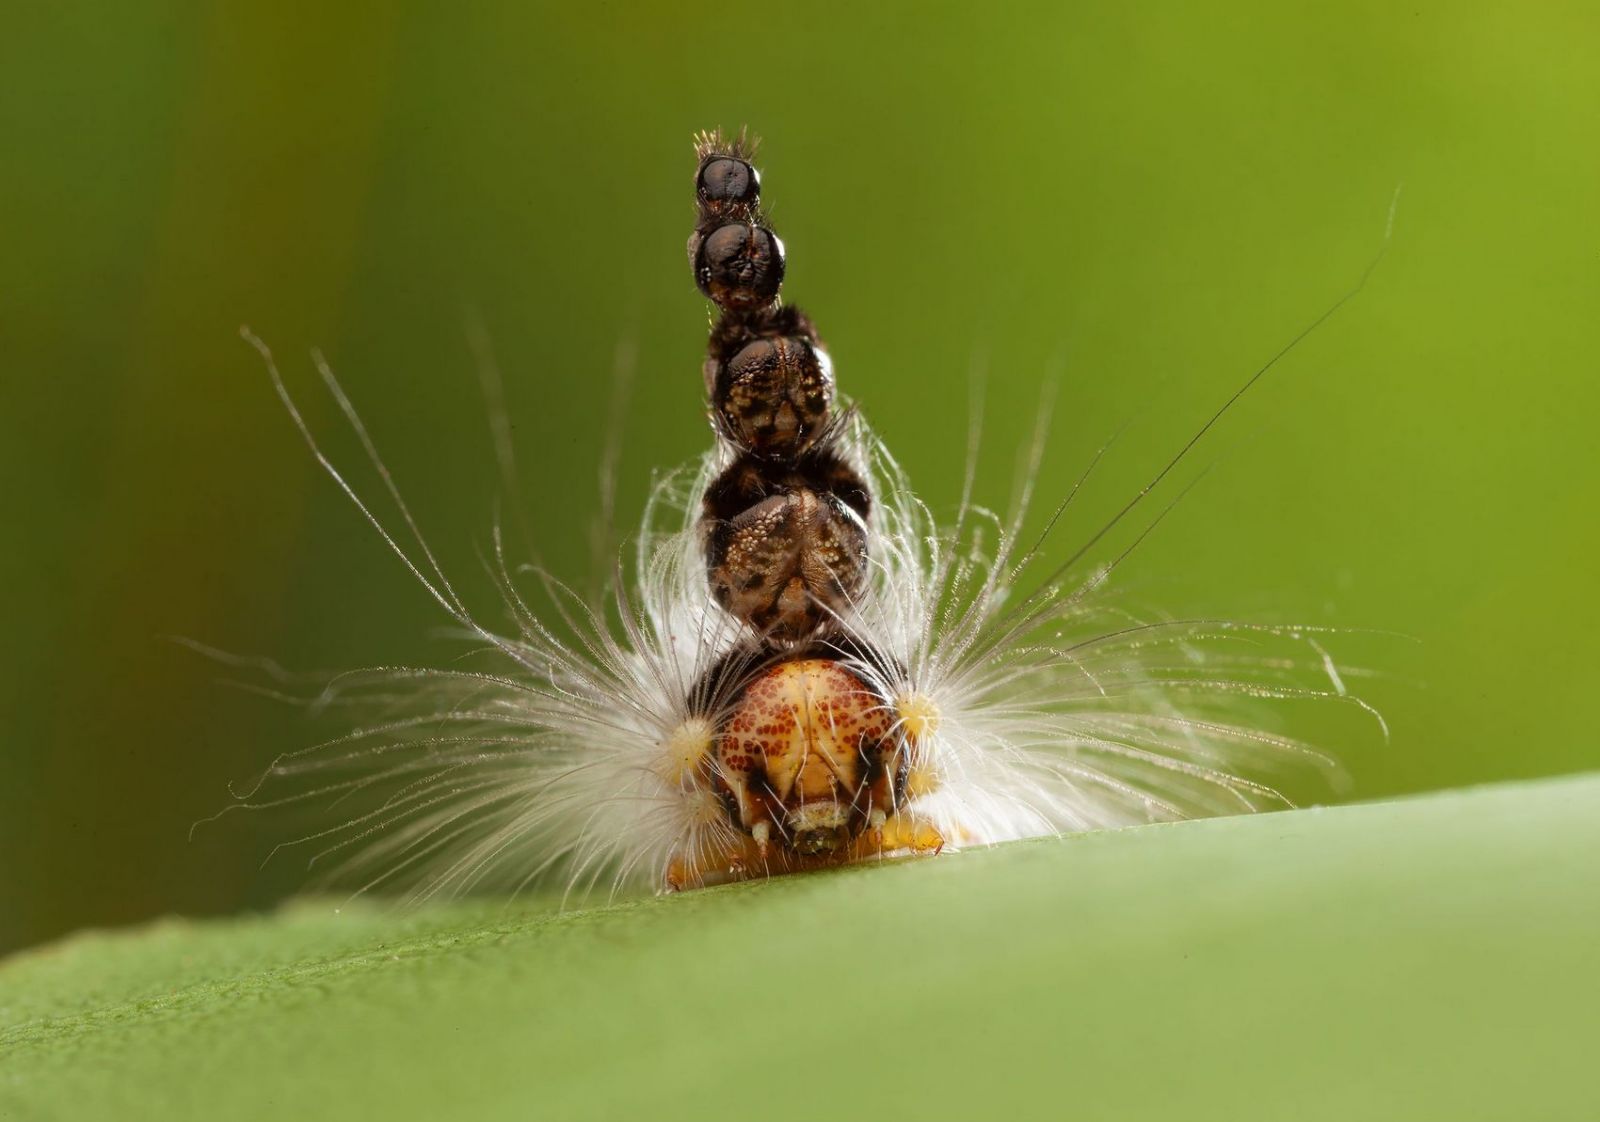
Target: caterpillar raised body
{"points": [[803, 667]]}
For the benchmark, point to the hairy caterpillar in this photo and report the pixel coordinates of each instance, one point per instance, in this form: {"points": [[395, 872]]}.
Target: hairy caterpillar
{"points": [[801, 667]]}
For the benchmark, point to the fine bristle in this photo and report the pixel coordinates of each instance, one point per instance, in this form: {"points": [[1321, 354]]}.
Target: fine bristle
{"points": [[714, 142], [1063, 708], [657, 733], [549, 755]]}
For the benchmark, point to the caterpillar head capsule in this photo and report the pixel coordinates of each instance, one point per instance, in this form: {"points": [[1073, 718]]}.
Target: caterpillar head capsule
{"points": [[809, 760]]}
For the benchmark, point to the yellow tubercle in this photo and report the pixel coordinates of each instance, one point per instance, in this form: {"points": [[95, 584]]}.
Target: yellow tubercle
{"points": [[922, 779], [919, 717], [918, 713], [909, 831], [685, 751]]}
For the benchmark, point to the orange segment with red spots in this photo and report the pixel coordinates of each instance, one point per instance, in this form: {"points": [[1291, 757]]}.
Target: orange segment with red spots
{"points": [[807, 748]]}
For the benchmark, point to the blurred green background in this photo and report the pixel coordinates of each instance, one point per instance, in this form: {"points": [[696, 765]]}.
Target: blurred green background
{"points": [[1146, 200]]}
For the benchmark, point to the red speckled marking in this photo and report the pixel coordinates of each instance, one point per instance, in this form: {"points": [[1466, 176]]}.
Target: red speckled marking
{"points": [[803, 732]]}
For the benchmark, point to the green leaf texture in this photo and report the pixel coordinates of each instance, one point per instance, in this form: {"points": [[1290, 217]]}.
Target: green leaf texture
{"points": [[1437, 957]]}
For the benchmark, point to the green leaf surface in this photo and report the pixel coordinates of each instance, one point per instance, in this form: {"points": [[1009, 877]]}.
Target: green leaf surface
{"points": [[1437, 957]]}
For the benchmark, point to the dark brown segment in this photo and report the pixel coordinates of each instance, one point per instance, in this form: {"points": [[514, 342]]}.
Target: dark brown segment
{"points": [[773, 396], [786, 547], [788, 564], [727, 184], [735, 330], [785, 525], [749, 480], [738, 265]]}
